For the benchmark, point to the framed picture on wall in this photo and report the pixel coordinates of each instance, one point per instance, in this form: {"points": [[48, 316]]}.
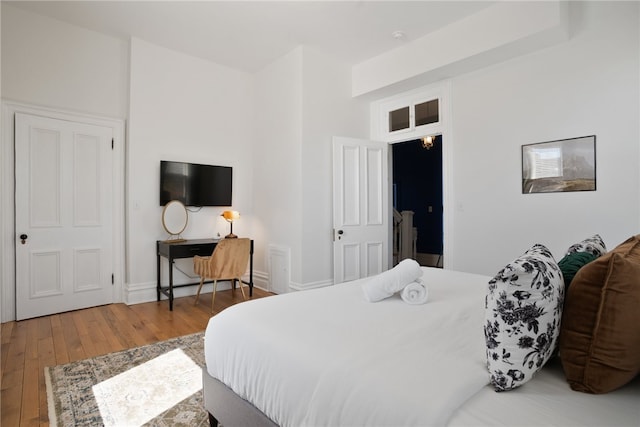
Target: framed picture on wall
{"points": [[559, 166]]}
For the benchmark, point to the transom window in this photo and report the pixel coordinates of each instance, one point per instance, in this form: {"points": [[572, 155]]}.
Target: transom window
{"points": [[415, 115]]}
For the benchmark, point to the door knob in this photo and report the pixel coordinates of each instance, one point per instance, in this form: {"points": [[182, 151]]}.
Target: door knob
{"points": [[23, 237]]}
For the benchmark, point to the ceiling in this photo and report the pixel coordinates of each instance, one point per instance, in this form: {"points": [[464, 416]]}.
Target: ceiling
{"points": [[247, 35]]}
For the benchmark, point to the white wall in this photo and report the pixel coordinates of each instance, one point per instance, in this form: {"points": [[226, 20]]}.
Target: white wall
{"points": [[185, 109], [277, 195], [586, 86], [328, 111], [278, 138], [50, 63], [303, 100], [274, 128], [3, 257], [506, 29]]}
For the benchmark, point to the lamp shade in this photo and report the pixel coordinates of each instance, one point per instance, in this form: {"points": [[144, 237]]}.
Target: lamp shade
{"points": [[230, 215]]}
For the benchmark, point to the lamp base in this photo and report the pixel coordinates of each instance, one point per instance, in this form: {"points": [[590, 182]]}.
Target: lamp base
{"points": [[231, 235]]}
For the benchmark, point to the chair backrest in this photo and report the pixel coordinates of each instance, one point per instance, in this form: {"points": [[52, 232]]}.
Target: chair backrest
{"points": [[230, 258]]}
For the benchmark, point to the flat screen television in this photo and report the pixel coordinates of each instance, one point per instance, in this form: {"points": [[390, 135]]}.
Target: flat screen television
{"points": [[194, 184]]}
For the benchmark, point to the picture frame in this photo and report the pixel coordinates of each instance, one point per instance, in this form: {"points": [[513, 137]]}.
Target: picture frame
{"points": [[559, 166]]}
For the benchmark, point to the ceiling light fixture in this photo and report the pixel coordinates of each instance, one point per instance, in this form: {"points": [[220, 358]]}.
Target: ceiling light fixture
{"points": [[428, 141]]}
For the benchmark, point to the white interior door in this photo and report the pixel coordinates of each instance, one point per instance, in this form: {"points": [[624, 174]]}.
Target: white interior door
{"points": [[360, 208], [64, 220]]}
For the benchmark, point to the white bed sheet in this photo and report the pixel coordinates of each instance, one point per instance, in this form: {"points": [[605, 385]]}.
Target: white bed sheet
{"points": [[547, 400], [328, 357]]}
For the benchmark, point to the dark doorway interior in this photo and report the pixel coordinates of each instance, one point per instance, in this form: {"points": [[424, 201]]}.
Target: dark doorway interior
{"points": [[417, 187]]}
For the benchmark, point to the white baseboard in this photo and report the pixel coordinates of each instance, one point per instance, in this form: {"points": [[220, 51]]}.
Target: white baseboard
{"points": [[137, 293], [146, 292], [261, 280], [312, 285]]}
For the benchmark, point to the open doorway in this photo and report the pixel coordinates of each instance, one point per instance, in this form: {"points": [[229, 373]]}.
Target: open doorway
{"points": [[418, 201]]}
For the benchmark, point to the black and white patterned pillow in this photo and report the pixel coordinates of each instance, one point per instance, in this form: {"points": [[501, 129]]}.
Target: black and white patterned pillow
{"points": [[523, 309], [593, 245]]}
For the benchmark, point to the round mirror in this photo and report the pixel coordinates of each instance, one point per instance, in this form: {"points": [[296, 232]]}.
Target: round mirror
{"points": [[174, 217]]}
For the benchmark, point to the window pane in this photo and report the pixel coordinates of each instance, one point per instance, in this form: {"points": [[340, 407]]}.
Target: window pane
{"points": [[427, 112], [399, 119]]}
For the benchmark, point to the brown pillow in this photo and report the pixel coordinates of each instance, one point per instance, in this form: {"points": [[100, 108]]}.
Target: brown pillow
{"points": [[600, 331]]}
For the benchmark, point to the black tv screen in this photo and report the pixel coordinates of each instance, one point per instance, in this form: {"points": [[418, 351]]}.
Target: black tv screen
{"points": [[194, 184]]}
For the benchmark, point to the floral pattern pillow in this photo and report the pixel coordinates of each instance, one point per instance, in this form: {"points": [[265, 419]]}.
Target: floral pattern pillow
{"points": [[523, 309], [593, 245]]}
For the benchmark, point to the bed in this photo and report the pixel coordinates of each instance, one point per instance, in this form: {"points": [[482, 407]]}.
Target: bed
{"points": [[329, 357]]}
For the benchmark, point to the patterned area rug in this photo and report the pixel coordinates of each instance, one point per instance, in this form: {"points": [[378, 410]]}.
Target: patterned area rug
{"points": [[131, 387]]}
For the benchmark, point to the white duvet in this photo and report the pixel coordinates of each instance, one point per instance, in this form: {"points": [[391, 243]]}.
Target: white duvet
{"points": [[328, 357]]}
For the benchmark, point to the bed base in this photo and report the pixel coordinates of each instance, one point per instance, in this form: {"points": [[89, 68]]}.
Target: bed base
{"points": [[227, 408]]}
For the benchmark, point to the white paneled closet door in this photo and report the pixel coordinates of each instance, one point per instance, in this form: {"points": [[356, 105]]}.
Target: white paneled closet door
{"points": [[360, 208], [64, 219]]}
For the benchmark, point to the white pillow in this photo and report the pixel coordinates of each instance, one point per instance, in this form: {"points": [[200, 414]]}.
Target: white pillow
{"points": [[523, 309], [593, 245]]}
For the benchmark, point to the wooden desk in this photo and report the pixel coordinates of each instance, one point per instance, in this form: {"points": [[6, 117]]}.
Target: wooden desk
{"points": [[189, 249]]}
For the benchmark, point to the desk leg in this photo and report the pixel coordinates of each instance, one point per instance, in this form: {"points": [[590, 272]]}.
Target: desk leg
{"points": [[170, 283], [158, 271], [251, 270]]}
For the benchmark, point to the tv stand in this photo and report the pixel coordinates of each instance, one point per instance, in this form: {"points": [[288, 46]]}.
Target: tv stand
{"points": [[173, 249]]}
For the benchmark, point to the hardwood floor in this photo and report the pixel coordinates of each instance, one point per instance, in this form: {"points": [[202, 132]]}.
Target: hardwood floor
{"points": [[30, 345]]}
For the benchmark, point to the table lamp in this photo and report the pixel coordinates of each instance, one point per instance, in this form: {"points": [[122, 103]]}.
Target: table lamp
{"points": [[230, 216]]}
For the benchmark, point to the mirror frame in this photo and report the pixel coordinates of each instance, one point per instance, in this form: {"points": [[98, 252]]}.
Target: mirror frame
{"points": [[174, 204]]}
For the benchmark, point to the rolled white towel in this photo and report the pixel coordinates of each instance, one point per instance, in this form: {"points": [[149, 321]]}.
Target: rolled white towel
{"points": [[415, 293], [391, 281]]}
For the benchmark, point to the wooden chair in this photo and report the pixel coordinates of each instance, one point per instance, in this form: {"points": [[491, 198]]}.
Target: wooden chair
{"points": [[228, 262]]}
